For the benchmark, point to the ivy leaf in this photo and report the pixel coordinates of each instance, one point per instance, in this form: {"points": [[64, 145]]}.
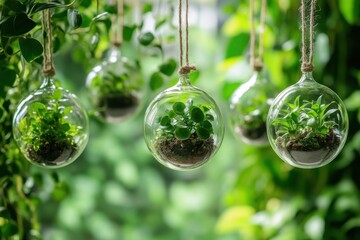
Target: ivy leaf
{"points": [[128, 32], [8, 77], [30, 48], [168, 67], [16, 25], [9, 229], [37, 7], [156, 81], [15, 6], [146, 39]]}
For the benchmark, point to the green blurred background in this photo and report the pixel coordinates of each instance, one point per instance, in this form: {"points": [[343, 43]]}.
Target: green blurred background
{"points": [[116, 189]]}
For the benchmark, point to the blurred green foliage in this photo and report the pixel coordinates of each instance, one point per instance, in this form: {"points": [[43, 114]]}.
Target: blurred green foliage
{"points": [[116, 190]]}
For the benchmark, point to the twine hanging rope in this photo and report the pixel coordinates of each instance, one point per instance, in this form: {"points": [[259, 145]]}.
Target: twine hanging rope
{"points": [[307, 51], [48, 66], [257, 61], [117, 35], [187, 68]]}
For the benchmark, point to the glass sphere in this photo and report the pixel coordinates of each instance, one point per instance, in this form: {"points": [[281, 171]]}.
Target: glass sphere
{"points": [[307, 124], [183, 126], [249, 107], [50, 126], [114, 88]]}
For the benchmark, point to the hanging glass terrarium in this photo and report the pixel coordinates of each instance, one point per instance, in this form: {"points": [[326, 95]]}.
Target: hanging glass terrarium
{"points": [[250, 102], [183, 126], [50, 126], [307, 122], [249, 106], [114, 87]]}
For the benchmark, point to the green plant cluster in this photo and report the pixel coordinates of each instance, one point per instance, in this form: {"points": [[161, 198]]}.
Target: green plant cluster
{"points": [[306, 123], [184, 120], [112, 84], [47, 125]]}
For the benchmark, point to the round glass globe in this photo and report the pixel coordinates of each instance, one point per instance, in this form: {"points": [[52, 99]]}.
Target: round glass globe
{"points": [[114, 88], [249, 107], [307, 124], [50, 126], [183, 126]]}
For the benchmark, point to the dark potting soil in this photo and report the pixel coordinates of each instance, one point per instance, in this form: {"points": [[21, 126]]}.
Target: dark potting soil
{"points": [[192, 151], [258, 133], [311, 153], [52, 152], [115, 107]]}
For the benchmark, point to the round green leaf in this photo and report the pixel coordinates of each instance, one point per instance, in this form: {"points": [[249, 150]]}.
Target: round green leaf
{"points": [[168, 67], [30, 48], [165, 121], [179, 108], [17, 25], [146, 38], [207, 125], [197, 115], [182, 133], [156, 81], [202, 133]]}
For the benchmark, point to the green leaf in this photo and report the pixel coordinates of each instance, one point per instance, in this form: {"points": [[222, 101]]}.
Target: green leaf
{"points": [[57, 94], [179, 108], [156, 81], [197, 115], [65, 127], [37, 7], [15, 6], [182, 133], [74, 18], [8, 77], [128, 32], [17, 25], [9, 229], [165, 121], [202, 133], [146, 38], [147, 7], [30, 48], [350, 9], [237, 45], [38, 107], [168, 68]]}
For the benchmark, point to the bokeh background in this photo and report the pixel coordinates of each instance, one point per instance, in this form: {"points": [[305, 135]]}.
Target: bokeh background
{"points": [[116, 189]]}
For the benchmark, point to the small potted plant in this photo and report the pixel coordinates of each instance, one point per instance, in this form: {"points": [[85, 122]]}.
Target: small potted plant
{"points": [[185, 135], [45, 133], [115, 95], [307, 132]]}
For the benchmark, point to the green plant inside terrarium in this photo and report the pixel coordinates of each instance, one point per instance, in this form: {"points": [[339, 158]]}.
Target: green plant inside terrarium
{"points": [[307, 126], [115, 94], [186, 133], [250, 119], [46, 133]]}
